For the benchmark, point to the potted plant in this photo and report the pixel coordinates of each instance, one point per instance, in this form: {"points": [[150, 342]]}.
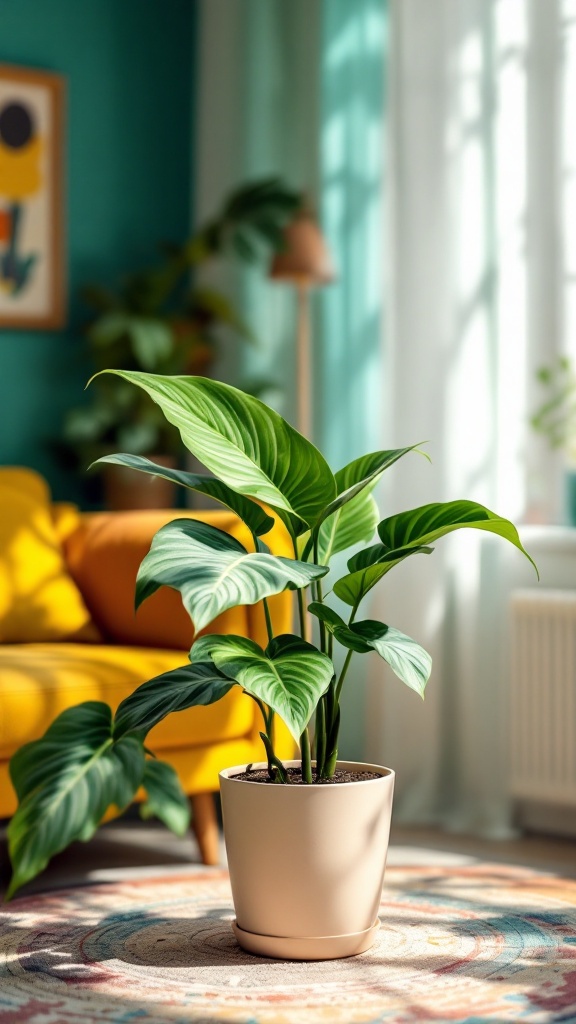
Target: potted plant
{"points": [[555, 420], [306, 839], [159, 320]]}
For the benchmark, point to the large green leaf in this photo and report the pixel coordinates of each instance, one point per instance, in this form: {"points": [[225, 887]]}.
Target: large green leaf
{"points": [[326, 614], [214, 572], [353, 515], [166, 798], [423, 525], [290, 676], [411, 663], [353, 523], [256, 519], [344, 633], [185, 687], [367, 568], [244, 443], [410, 532], [65, 782], [407, 659]]}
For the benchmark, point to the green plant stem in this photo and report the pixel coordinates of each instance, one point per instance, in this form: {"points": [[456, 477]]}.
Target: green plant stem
{"points": [[317, 595], [261, 705], [302, 615], [320, 736], [331, 757], [306, 758], [333, 721], [300, 597], [268, 736], [270, 725], [332, 731], [329, 703], [268, 619], [320, 598], [274, 764], [339, 685], [340, 682], [330, 765]]}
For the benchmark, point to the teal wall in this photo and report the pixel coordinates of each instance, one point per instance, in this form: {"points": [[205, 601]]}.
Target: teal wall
{"points": [[129, 66]]}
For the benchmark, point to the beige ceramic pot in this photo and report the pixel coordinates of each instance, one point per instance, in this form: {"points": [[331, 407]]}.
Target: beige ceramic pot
{"points": [[307, 862]]}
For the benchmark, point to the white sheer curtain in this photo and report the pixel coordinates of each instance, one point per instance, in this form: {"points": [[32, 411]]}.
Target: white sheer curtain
{"points": [[296, 88], [482, 284]]}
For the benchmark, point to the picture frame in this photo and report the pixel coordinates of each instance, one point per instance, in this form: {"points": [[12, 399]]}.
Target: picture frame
{"points": [[32, 277]]}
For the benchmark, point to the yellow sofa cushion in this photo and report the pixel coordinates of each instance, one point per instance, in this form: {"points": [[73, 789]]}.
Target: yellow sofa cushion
{"points": [[38, 599], [66, 518], [38, 681]]}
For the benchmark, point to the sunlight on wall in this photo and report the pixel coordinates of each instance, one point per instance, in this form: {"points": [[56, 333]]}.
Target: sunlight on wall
{"points": [[486, 142], [568, 171], [510, 134], [469, 390]]}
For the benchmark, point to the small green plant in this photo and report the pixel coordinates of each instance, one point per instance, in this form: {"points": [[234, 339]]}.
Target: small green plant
{"points": [[162, 319], [89, 759], [555, 419]]}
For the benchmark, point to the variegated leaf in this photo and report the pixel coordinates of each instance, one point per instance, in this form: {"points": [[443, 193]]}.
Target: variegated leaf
{"points": [[243, 442], [181, 688], [410, 662], [166, 800], [214, 572], [410, 532], [290, 676], [65, 783], [256, 519], [352, 517]]}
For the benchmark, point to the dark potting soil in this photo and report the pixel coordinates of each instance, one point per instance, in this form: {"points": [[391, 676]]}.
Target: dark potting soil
{"points": [[295, 777]]}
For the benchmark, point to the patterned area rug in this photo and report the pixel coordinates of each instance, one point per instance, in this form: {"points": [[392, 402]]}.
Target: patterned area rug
{"points": [[474, 944]]}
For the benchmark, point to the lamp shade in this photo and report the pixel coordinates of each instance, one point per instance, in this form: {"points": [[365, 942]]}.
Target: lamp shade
{"points": [[304, 257]]}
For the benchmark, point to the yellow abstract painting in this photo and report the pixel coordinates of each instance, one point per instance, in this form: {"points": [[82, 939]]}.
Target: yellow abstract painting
{"points": [[31, 230]]}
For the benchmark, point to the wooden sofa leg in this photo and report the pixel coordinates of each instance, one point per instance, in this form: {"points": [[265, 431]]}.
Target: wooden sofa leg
{"points": [[205, 826]]}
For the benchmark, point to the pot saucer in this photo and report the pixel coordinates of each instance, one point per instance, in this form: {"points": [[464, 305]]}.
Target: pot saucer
{"points": [[323, 947]]}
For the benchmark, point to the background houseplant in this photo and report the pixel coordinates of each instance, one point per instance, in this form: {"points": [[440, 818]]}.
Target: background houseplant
{"points": [[555, 420], [163, 319], [89, 759]]}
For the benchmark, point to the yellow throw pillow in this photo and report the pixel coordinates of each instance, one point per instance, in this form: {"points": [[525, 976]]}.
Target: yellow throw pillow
{"points": [[38, 599], [66, 519]]}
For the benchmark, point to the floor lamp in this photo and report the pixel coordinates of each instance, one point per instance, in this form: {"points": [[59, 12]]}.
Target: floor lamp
{"points": [[303, 262]]}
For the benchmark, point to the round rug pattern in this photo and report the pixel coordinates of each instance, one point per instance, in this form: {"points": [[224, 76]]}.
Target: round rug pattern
{"points": [[475, 944]]}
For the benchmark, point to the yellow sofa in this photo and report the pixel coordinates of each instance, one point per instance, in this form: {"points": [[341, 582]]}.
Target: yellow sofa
{"points": [[68, 633]]}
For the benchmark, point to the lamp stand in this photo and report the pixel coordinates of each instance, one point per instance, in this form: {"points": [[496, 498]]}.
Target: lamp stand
{"points": [[303, 364]]}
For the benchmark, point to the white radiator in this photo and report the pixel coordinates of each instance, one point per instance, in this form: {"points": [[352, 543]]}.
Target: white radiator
{"points": [[543, 696]]}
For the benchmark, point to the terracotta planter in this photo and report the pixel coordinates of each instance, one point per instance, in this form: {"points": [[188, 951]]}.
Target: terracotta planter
{"points": [[124, 489], [307, 862]]}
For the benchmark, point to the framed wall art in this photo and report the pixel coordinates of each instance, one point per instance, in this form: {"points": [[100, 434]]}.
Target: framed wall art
{"points": [[32, 285]]}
